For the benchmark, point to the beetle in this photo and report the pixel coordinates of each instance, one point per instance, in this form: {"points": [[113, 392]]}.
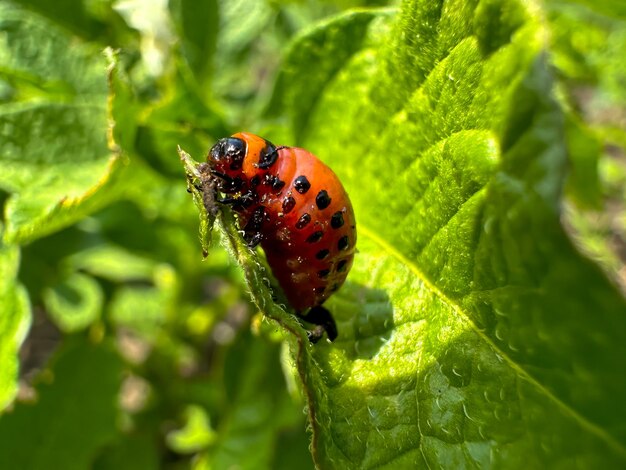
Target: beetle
{"points": [[294, 206]]}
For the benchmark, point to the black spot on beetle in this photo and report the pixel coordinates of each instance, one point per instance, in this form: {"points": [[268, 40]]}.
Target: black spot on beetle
{"points": [[255, 181], [288, 204], [322, 199], [315, 237], [274, 182], [319, 290], [341, 265], [303, 221], [343, 243], [322, 254], [301, 184], [336, 221], [323, 273]]}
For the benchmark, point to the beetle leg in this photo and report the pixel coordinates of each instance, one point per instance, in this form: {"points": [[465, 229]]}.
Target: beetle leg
{"points": [[321, 317], [315, 334], [253, 240], [222, 176], [229, 200], [252, 231]]}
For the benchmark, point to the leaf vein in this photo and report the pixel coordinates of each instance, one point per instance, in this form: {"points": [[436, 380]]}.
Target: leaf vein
{"points": [[582, 421]]}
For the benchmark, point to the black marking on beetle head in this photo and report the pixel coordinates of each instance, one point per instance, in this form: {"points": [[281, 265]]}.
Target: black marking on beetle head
{"points": [[322, 199], [341, 265], [301, 184], [268, 156], [334, 287], [255, 181], [319, 290], [322, 254], [288, 204], [343, 243], [336, 221], [228, 151], [315, 237], [303, 221]]}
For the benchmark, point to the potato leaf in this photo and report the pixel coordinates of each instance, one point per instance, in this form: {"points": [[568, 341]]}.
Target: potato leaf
{"points": [[55, 160], [14, 322], [472, 333]]}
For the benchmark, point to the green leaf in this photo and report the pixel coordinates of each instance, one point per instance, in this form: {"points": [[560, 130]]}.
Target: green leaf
{"points": [[75, 302], [260, 412], [113, 263], [197, 26], [339, 38], [14, 322], [139, 308], [585, 150], [181, 118], [73, 14], [196, 434], [239, 31], [610, 8], [54, 156], [471, 332], [123, 109], [130, 452], [74, 416]]}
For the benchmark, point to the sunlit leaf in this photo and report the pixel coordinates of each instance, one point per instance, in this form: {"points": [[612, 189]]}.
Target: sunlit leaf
{"points": [[54, 157], [14, 322], [196, 434], [113, 263], [471, 332], [339, 40]]}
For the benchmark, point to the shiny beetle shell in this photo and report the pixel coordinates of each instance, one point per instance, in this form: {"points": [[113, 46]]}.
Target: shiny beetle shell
{"points": [[294, 205]]}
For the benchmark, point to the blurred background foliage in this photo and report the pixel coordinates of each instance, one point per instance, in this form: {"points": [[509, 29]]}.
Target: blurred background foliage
{"points": [[158, 358]]}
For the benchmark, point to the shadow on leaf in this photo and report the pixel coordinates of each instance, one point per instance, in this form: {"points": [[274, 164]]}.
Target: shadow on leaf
{"points": [[364, 317]]}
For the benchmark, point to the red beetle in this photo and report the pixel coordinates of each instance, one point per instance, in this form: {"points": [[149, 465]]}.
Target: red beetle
{"points": [[297, 209]]}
